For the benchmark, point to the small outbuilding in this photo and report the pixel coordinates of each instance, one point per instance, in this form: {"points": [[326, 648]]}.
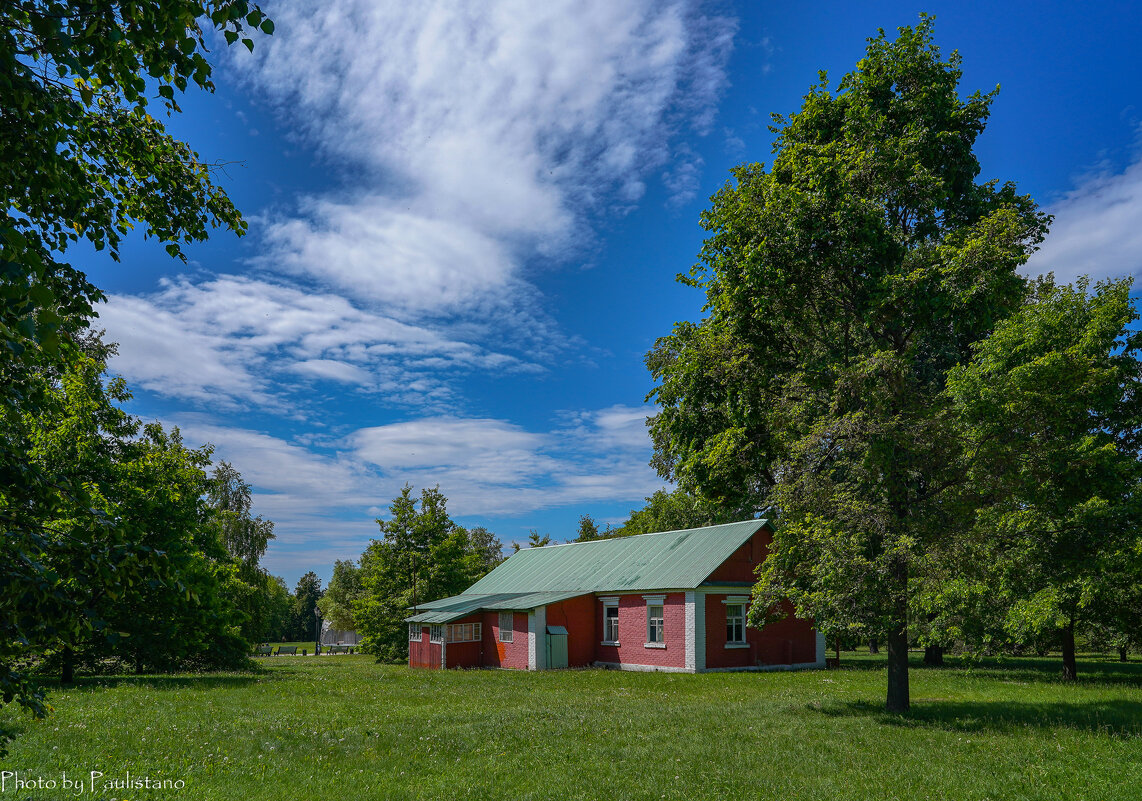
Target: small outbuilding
{"points": [[672, 601]]}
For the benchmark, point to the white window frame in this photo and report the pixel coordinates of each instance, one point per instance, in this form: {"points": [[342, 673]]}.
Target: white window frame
{"points": [[609, 604], [507, 633], [414, 632], [436, 633], [655, 624], [465, 632], [742, 603]]}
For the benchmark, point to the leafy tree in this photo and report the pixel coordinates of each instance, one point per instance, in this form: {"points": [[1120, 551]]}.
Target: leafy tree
{"points": [[1051, 405], [160, 602], [344, 589], [80, 158], [677, 510], [487, 547], [588, 530], [534, 540], [66, 552], [305, 599], [422, 555], [841, 285], [228, 495], [279, 609], [245, 538]]}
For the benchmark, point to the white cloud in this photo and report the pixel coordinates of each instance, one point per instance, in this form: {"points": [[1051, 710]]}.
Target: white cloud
{"points": [[323, 496], [1097, 229], [232, 341], [488, 466], [479, 136]]}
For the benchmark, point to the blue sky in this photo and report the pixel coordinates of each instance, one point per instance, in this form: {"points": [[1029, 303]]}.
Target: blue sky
{"points": [[465, 226]]}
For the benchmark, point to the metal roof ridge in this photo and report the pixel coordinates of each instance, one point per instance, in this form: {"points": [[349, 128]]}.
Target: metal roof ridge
{"points": [[761, 520]]}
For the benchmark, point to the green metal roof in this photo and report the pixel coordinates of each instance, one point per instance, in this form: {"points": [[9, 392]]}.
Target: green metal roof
{"points": [[540, 576], [448, 609], [667, 560]]}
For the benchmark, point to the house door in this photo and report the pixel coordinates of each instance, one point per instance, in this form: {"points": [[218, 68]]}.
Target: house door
{"points": [[556, 647]]}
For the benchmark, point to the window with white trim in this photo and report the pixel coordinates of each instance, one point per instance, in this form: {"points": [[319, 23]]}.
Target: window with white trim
{"points": [[414, 632], [436, 633], [464, 632], [654, 623], [611, 622], [507, 622], [735, 623]]}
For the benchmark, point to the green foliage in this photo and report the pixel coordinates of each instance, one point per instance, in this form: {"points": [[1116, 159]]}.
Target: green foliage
{"points": [[246, 538], [487, 547], [81, 159], [422, 556], [250, 588], [279, 609], [1050, 408], [75, 83], [588, 530], [303, 622], [344, 589], [677, 510], [64, 539], [841, 285]]}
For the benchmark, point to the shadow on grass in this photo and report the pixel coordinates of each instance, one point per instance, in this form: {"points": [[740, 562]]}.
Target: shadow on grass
{"points": [[181, 681], [1115, 718], [1106, 672]]}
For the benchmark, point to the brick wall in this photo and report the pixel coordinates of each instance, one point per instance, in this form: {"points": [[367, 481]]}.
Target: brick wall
{"points": [[505, 654], [787, 642], [632, 633]]}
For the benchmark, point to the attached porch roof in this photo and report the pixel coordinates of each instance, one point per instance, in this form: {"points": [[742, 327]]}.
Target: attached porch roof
{"points": [[448, 609]]}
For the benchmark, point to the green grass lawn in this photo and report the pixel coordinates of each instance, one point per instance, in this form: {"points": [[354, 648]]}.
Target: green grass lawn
{"points": [[348, 728]]}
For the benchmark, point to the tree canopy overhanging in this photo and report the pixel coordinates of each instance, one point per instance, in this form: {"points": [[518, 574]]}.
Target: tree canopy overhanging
{"points": [[83, 158]]}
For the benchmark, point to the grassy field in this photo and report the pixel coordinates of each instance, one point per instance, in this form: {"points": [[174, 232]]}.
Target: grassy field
{"points": [[347, 728]]}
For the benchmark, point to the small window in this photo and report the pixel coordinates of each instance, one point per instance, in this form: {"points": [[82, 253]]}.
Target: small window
{"points": [[610, 624], [506, 623], [464, 632], [414, 632], [436, 633], [654, 623], [735, 623]]}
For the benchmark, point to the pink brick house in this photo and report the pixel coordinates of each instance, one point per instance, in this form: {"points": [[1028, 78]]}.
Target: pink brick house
{"points": [[673, 601]]}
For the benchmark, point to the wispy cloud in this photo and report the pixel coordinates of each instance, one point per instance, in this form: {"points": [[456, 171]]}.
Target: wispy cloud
{"points": [[324, 495], [1097, 229], [241, 341], [481, 137], [488, 466]]}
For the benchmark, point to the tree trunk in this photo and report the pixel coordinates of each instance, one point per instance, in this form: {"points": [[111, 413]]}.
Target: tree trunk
{"points": [[898, 700], [837, 645], [873, 647], [1070, 670], [934, 655], [1122, 657], [67, 671]]}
